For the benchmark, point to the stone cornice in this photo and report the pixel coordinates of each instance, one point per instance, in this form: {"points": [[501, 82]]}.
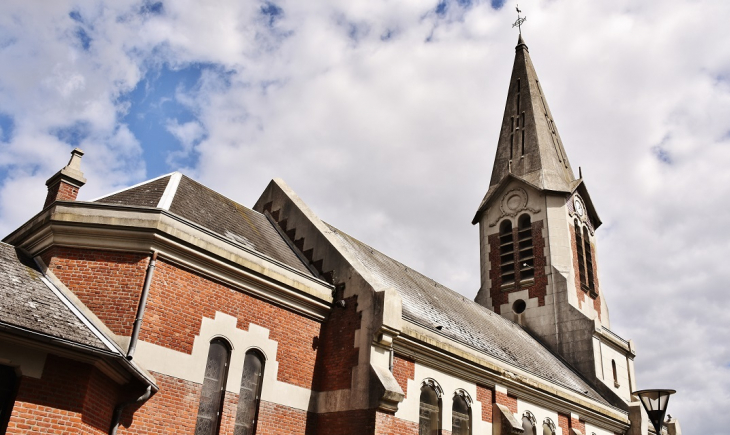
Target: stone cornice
{"points": [[144, 229], [438, 352]]}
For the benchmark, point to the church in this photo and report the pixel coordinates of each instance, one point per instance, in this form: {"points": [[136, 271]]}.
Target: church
{"points": [[168, 308]]}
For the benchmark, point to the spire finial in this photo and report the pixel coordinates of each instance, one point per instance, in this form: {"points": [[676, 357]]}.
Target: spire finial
{"points": [[519, 21]]}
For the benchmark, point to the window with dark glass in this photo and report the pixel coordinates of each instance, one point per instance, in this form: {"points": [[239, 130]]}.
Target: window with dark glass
{"points": [[8, 389], [581, 259], [529, 423], [460, 416], [548, 427], [526, 257], [429, 412], [615, 373], [589, 260], [214, 388], [506, 252], [250, 394]]}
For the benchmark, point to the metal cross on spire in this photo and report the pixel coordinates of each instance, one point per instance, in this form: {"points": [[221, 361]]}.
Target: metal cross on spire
{"points": [[520, 20]]}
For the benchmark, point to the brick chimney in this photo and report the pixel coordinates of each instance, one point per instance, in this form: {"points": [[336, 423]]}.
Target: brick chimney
{"points": [[65, 184]]}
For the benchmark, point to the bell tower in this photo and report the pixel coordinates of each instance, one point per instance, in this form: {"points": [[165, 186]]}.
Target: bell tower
{"points": [[537, 228]]}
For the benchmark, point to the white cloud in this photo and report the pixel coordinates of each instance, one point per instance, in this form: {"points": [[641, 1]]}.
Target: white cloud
{"points": [[392, 141]]}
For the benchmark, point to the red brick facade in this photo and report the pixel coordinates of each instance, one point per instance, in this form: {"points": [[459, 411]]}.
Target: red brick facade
{"points": [[388, 424], [404, 369], [486, 396], [109, 283], [537, 289], [61, 191], [504, 399], [564, 423], [337, 353], [54, 404]]}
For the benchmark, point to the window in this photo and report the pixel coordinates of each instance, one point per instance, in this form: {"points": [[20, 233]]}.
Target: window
{"points": [[589, 260], [214, 388], [461, 414], [429, 418], [506, 252], [529, 423], [615, 374], [526, 257], [548, 427], [581, 259], [250, 394], [8, 389]]}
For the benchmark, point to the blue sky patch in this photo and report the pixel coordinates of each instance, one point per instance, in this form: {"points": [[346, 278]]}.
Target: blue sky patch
{"points": [[662, 154], [7, 127], [497, 4], [153, 105], [441, 8], [73, 134], [151, 8], [271, 12], [83, 37]]}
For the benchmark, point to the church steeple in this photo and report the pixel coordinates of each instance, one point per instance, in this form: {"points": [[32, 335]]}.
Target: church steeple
{"points": [[529, 145]]}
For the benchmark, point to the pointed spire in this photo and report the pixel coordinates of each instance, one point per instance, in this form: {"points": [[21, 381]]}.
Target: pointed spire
{"points": [[529, 145]]}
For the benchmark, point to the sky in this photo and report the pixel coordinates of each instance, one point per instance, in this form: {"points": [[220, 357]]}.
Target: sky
{"points": [[384, 117]]}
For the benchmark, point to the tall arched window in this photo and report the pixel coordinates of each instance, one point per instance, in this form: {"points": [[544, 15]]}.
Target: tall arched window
{"points": [[506, 252], [589, 260], [529, 423], [548, 427], [461, 414], [429, 418], [214, 388], [581, 258], [526, 257], [615, 373], [250, 394]]}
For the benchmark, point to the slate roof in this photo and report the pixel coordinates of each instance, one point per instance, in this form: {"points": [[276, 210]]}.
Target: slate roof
{"points": [[429, 304], [28, 303], [208, 208]]}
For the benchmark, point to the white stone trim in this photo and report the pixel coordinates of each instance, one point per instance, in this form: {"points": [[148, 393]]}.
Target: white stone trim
{"points": [[191, 367], [130, 187], [170, 191]]}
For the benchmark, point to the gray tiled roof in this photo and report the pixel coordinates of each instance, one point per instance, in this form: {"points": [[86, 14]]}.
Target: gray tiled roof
{"points": [[217, 213], [429, 304], [146, 195], [28, 303]]}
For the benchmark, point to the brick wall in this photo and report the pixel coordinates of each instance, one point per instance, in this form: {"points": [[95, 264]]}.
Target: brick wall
{"points": [[403, 370], [109, 283], [337, 354], [486, 396], [388, 424], [179, 299], [578, 424], [277, 419], [356, 422], [70, 397], [61, 191], [564, 423], [537, 289], [504, 399]]}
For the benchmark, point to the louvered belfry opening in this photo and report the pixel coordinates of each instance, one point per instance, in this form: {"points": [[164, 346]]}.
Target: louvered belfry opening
{"points": [[250, 395], [526, 255], [214, 388], [506, 252], [581, 257], [429, 412], [589, 260], [460, 416]]}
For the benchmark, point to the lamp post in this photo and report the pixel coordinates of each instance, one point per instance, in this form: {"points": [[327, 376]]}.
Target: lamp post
{"points": [[655, 403]]}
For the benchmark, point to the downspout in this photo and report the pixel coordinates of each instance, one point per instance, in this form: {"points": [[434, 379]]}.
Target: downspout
{"points": [[117, 415], [142, 305], [390, 358]]}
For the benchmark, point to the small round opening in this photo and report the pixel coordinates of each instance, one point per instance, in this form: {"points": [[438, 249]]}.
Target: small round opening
{"points": [[519, 306]]}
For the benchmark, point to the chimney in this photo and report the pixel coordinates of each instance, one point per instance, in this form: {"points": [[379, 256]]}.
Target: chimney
{"points": [[65, 184]]}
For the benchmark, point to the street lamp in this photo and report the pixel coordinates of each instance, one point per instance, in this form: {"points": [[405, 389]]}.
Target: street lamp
{"points": [[655, 403]]}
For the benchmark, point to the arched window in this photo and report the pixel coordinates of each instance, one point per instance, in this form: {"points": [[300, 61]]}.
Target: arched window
{"points": [[214, 388], [507, 252], [429, 418], [581, 258], [461, 414], [548, 427], [589, 260], [526, 257], [529, 423], [250, 394], [615, 373]]}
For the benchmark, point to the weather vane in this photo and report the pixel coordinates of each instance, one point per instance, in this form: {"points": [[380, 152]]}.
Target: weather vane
{"points": [[520, 20]]}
